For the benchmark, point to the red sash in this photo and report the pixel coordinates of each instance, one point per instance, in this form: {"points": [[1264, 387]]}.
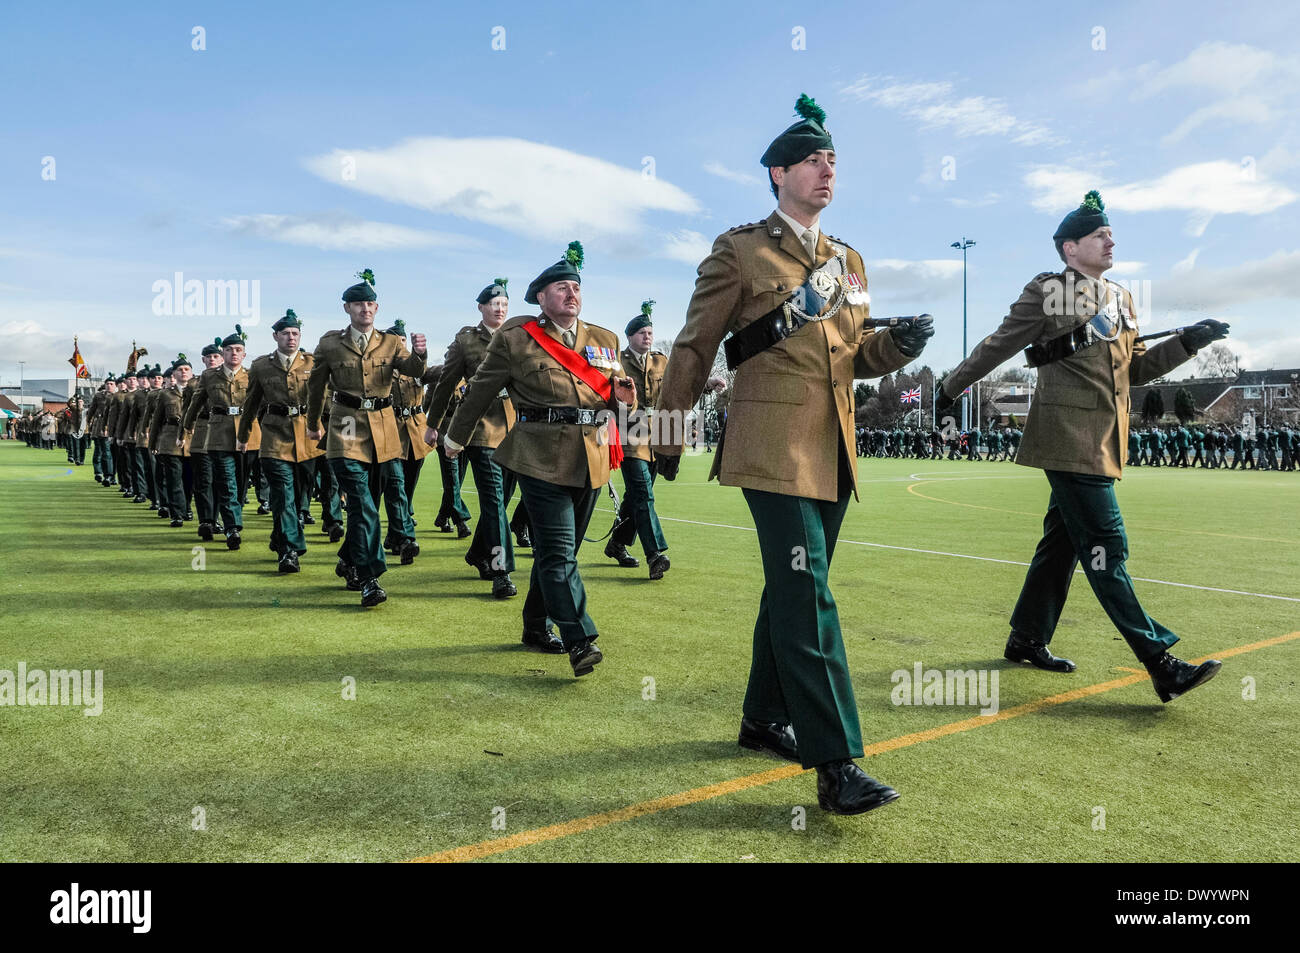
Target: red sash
{"points": [[576, 365]]}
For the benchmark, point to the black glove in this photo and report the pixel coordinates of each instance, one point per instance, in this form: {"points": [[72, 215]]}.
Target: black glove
{"points": [[910, 338], [942, 402], [1203, 333], [667, 465]]}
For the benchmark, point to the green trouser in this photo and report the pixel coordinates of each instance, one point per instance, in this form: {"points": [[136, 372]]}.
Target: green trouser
{"points": [[636, 512], [331, 509], [172, 486], [799, 674], [1083, 524], [453, 471], [492, 542], [144, 479], [202, 466], [225, 489], [361, 549], [282, 480], [397, 505], [559, 516]]}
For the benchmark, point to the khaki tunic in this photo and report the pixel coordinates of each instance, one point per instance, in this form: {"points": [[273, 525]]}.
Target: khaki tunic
{"points": [[119, 415], [163, 431], [791, 413], [197, 438], [1078, 420], [215, 394], [649, 382], [409, 392], [464, 356], [139, 424], [283, 437], [369, 436], [564, 454]]}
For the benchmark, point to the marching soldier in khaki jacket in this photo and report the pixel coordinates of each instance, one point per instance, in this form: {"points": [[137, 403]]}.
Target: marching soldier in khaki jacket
{"points": [[104, 461], [222, 391], [278, 383], [795, 300], [356, 365], [169, 442], [200, 464], [491, 551], [1081, 331], [559, 447], [119, 413], [157, 381], [408, 410], [636, 513], [138, 427]]}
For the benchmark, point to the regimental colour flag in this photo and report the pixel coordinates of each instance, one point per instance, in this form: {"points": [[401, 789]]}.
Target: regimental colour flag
{"points": [[82, 370], [912, 396]]}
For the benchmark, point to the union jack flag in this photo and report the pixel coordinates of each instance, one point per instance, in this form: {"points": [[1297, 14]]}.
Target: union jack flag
{"points": [[912, 396]]}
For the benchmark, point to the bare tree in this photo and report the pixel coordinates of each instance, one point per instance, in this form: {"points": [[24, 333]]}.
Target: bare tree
{"points": [[1218, 360]]}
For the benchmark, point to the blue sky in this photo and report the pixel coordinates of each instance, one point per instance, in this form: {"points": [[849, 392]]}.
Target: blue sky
{"points": [[987, 121]]}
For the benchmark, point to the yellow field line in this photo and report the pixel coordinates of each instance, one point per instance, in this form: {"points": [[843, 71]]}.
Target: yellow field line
{"points": [[1138, 525], [568, 828]]}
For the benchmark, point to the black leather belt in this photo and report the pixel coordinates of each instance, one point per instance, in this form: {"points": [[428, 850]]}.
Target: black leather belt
{"points": [[404, 412], [172, 421], [1059, 348], [557, 415], [756, 337], [231, 411], [286, 410], [362, 403]]}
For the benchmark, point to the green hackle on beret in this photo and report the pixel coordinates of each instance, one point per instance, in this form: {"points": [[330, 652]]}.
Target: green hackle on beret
{"points": [[495, 290], [398, 328], [567, 268], [364, 290], [802, 139], [290, 320], [1084, 220], [642, 320], [181, 361], [238, 337]]}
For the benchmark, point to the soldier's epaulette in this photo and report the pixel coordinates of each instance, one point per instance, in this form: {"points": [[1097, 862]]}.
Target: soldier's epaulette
{"points": [[738, 228], [467, 329], [1044, 275], [337, 334], [839, 241]]}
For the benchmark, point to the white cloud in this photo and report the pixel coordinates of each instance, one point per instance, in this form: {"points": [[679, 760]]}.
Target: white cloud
{"points": [[336, 232], [524, 187], [722, 172], [921, 279], [1246, 85], [1204, 189], [1193, 288], [936, 106], [686, 246]]}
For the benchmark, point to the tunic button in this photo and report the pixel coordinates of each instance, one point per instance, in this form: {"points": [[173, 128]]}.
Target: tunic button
{"points": [[835, 383], [834, 348], [780, 287]]}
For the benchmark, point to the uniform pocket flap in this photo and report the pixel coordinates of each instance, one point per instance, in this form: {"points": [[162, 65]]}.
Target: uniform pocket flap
{"points": [[776, 284]]}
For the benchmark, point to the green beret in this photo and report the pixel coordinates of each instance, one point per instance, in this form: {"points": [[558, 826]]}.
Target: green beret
{"points": [[142, 373], [110, 377], [642, 320], [290, 320], [364, 290], [566, 269], [157, 370], [181, 361], [1084, 220], [802, 139], [238, 337], [398, 328], [495, 290], [213, 348]]}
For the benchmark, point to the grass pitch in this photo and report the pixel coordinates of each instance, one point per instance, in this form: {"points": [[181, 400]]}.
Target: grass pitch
{"points": [[223, 686]]}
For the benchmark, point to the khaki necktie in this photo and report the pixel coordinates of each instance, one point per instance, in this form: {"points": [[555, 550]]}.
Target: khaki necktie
{"points": [[570, 338], [810, 243]]}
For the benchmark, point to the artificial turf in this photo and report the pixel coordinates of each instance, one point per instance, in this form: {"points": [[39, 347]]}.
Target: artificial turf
{"points": [[223, 685]]}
